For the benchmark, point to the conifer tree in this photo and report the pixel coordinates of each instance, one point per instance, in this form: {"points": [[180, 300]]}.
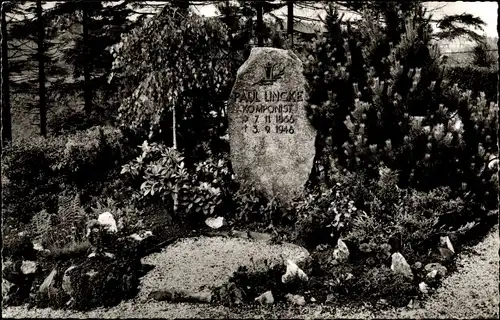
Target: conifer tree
{"points": [[393, 108]]}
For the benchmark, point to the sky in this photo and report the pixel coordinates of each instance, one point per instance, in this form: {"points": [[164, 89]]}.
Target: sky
{"points": [[486, 10]]}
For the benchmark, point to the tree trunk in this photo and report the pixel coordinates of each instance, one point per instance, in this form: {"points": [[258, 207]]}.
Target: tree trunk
{"points": [[41, 70], [260, 24], [174, 142], [289, 24], [6, 115], [87, 93]]}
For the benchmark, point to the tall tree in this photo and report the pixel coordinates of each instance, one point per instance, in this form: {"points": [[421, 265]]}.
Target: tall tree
{"points": [[289, 24], [33, 49], [6, 112], [41, 69], [96, 26], [260, 24], [87, 93]]}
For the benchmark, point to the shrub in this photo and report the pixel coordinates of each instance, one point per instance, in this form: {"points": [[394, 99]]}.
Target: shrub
{"points": [[37, 170], [405, 219], [477, 79], [161, 174], [69, 121], [31, 182], [249, 207], [383, 283], [324, 213]]}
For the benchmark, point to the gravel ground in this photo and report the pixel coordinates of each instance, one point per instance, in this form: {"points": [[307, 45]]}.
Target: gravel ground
{"points": [[471, 292], [206, 261]]}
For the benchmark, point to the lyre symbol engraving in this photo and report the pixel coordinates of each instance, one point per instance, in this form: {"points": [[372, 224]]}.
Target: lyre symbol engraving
{"points": [[272, 72], [269, 71]]}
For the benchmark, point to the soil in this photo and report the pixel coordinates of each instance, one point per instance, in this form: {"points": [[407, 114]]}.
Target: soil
{"points": [[470, 292]]}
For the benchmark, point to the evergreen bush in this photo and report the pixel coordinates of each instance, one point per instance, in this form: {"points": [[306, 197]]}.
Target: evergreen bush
{"points": [[381, 99], [477, 79]]}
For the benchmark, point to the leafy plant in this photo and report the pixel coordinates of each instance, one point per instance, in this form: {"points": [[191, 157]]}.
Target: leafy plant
{"points": [[164, 177]]}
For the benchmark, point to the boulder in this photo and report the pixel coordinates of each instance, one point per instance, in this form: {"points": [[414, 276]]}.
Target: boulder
{"points": [[270, 135], [100, 282], [265, 298], [296, 299], [400, 266]]}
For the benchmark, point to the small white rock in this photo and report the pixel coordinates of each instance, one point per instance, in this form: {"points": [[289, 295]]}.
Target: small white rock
{"points": [[215, 223], [399, 265], [296, 299], [292, 272], [37, 246], [340, 253], [313, 299], [140, 237], [432, 274], [106, 219], [28, 267], [424, 288], [109, 255], [446, 242], [265, 298], [91, 273]]}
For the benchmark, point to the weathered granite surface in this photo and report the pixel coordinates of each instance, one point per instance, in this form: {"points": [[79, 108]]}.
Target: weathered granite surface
{"points": [[271, 138]]}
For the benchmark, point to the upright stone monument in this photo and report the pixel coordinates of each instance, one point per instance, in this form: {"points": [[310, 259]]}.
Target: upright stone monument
{"points": [[271, 139]]}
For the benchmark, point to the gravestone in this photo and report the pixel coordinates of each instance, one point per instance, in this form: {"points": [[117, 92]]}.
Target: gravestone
{"points": [[270, 136]]}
